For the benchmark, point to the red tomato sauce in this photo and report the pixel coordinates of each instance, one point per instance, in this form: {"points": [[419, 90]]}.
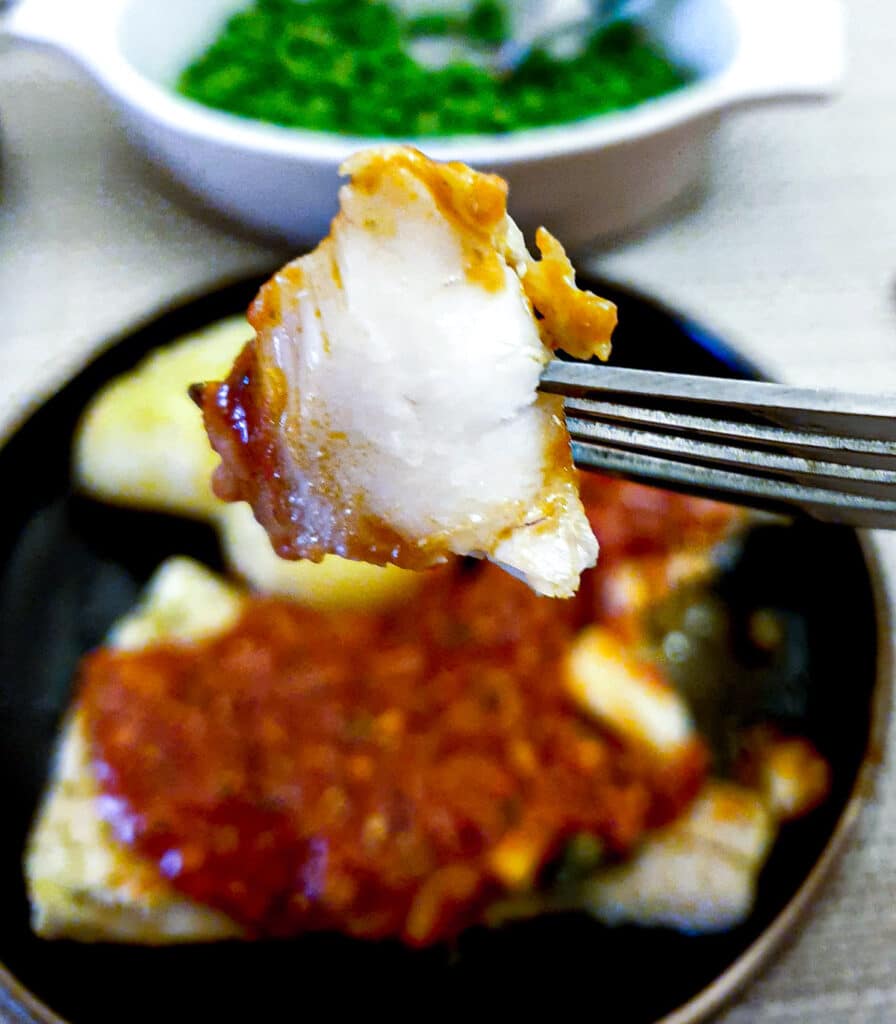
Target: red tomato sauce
{"points": [[379, 774]]}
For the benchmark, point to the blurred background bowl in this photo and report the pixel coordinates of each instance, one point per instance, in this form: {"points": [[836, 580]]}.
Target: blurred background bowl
{"points": [[590, 179]]}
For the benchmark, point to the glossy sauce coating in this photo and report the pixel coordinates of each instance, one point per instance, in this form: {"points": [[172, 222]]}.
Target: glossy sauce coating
{"points": [[475, 204], [381, 775], [242, 418], [320, 428], [579, 322]]}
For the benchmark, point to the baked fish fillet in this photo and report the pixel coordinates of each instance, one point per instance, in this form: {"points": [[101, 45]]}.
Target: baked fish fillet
{"points": [[140, 442], [698, 874], [82, 883], [387, 409]]}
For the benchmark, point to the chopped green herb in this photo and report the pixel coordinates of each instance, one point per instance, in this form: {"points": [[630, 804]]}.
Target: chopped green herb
{"points": [[488, 22], [344, 66]]}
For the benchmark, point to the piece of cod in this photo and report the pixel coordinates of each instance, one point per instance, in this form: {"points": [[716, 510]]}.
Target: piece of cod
{"points": [[82, 883], [140, 443], [696, 875], [388, 410]]}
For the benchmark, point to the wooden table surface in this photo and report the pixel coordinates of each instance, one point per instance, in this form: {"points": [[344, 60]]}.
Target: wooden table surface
{"points": [[790, 253]]}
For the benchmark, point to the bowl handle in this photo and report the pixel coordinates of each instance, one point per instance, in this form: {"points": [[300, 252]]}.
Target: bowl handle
{"points": [[787, 48], [60, 23]]}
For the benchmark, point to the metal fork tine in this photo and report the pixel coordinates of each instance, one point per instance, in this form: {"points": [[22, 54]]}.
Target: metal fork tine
{"points": [[742, 488], [826, 410], [871, 482], [833, 447], [831, 453]]}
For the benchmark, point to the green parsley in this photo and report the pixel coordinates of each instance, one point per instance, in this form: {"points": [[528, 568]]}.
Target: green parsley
{"points": [[344, 66]]}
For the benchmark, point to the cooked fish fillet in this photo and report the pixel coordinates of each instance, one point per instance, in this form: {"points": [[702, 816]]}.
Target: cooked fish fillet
{"points": [[84, 885], [387, 409], [698, 874], [141, 442], [183, 602], [81, 882]]}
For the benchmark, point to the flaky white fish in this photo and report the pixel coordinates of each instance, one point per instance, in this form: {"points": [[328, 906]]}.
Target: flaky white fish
{"points": [[387, 409]]}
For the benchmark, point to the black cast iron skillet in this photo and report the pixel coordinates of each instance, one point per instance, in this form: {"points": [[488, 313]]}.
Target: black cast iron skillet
{"points": [[69, 567]]}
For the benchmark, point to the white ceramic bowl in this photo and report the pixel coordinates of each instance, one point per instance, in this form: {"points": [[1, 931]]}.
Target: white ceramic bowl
{"points": [[594, 178]]}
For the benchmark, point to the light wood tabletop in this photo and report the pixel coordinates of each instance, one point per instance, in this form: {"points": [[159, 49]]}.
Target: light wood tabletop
{"points": [[789, 252]]}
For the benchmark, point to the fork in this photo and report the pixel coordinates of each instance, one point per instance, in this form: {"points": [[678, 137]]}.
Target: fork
{"points": [[536, 23], [829, 453], [539, 22]]}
